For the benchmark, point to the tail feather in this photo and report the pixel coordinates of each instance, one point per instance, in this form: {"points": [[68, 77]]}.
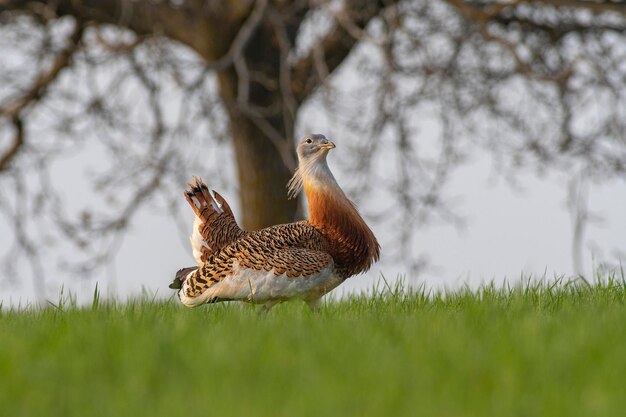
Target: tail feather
{"points": [[214, 226], [203, 201]]}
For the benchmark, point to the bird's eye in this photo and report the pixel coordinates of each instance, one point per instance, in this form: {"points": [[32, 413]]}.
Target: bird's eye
{"points": [[309, 141]]}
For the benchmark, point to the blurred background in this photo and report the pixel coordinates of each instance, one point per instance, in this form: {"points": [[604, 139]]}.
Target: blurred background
{"points": [[481, 140]]}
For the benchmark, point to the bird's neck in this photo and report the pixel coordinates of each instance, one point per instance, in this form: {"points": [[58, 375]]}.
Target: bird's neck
{"points": [[353, 245]]}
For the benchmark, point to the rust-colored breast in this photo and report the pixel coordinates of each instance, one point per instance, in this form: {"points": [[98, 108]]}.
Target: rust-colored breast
{"points": [[352, 244]]}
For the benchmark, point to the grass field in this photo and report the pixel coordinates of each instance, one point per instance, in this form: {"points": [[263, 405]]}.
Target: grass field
{"points": [[534, 350]]}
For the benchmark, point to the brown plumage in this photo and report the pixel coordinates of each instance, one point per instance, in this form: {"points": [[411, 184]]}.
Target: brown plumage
{"points": [[302, 260]]}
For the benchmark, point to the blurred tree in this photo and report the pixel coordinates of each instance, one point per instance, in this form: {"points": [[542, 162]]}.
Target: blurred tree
{"points": [[248, 45], [536, 82]]}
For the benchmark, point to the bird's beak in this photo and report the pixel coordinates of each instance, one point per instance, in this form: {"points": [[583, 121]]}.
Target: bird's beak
{"points": [[329, 145]]}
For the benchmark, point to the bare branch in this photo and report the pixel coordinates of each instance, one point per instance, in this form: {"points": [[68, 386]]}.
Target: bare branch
{"points": [[335, 46], [13, 110], [36, 91], [18, 141], [235, 51], [290, 102]]}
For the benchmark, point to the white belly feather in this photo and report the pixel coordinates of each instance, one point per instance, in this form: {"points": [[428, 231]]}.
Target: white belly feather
{"points": [[261, 286], [197, 242]]}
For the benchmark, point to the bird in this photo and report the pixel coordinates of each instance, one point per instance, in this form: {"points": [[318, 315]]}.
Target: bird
{"points": [[302, 260]]}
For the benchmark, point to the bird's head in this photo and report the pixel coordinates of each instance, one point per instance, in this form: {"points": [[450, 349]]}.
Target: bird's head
{"points": [[313, 146], [312, 166]]}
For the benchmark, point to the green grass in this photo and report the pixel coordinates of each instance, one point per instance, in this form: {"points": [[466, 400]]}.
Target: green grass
{"points": [[533, 350]]}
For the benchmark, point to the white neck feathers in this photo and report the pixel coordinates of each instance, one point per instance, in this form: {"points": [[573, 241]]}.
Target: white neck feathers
{"points": [[314, 171]]}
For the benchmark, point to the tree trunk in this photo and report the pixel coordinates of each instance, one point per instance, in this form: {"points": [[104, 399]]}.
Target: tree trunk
{"points": [[263, 177], [262, 171]]}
